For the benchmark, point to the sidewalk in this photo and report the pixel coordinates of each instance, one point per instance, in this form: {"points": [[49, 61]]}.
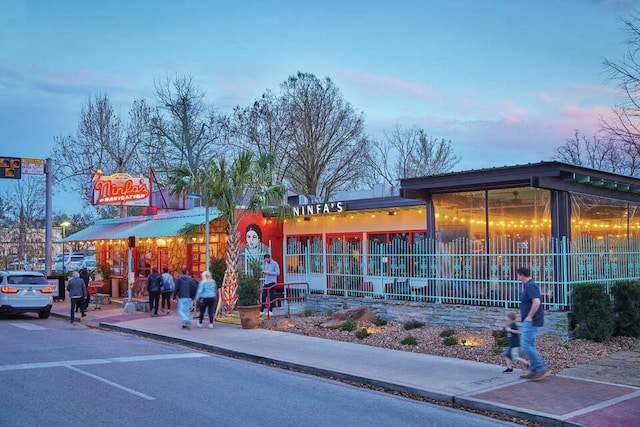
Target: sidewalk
{"points": [[566, 399]]}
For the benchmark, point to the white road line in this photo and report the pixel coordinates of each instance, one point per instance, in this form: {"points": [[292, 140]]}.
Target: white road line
{"points": [[111, 383], [68, 363], [28, 326]]}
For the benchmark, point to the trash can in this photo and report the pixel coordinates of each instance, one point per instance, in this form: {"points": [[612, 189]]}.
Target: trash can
{"points": [[59, 291]]}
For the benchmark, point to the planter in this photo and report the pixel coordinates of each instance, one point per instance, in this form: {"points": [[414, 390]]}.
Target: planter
{"points": [[249, 316]]}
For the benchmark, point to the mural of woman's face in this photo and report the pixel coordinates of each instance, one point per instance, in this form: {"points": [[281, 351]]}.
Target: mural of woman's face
{"points": [[252, 238]]}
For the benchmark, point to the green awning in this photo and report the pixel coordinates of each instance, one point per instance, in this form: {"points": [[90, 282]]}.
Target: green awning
{"points": [[162, 225], [166, 225]]}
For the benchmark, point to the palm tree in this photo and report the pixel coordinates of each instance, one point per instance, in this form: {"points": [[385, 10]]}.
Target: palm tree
{"points": [[245, 185]]}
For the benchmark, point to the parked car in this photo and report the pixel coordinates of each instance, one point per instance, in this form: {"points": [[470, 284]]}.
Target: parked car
{"points": [[72, 262], [25, 292]]}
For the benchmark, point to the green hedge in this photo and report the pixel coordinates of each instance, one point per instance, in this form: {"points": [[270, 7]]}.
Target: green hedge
{"points": [[626, 297], [593, 310]]}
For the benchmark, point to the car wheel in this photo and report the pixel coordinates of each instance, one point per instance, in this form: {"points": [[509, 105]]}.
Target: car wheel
{"points": [[44, 314]]}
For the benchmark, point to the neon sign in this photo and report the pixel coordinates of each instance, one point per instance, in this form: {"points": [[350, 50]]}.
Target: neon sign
{"points": [[120, 189], [318, 208]]}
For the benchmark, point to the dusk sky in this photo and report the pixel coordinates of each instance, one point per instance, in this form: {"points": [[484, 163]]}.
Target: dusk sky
{"points": [[506, 81]]}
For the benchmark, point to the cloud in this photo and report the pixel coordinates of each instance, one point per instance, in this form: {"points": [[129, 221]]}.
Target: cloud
{"points": [[372, 83]]}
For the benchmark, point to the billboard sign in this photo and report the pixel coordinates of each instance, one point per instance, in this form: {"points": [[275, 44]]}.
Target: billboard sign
{"points": [[120, 189]]}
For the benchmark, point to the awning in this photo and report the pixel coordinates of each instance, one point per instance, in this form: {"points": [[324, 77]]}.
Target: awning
{"points": [[158, 226], [162, 225], [102, 229]]}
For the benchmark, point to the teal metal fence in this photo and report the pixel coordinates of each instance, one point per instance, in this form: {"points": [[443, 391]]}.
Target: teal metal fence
{"points": [[462, 271]]}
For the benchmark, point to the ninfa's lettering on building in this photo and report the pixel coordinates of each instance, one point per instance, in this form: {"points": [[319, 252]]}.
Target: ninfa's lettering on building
{"points": [[318, 208], [120, 189]]}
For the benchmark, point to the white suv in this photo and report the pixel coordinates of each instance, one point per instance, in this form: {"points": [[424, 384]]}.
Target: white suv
{"points": [[25, 292]]}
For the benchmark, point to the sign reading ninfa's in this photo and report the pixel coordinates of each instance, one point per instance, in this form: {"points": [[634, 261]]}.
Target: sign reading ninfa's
{"points": [[120, 189], [318, 208]]}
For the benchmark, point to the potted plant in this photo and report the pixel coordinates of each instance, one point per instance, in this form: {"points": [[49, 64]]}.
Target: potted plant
{"points": [[249, 296]]}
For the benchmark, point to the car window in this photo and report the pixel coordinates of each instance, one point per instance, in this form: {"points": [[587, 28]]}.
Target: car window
{"points": [[27, 280]]}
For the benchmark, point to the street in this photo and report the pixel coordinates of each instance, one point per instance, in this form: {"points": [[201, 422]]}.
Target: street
{"points": [[60, 374]]}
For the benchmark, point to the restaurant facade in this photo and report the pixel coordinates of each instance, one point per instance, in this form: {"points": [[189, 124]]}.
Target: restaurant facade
{"points": [[453, 239]]}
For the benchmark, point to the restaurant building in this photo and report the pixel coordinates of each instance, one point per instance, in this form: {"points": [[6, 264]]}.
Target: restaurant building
{"points": [[436, 243]]}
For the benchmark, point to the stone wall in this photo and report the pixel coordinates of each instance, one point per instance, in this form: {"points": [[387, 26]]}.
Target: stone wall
{"points": [[556, 322]]}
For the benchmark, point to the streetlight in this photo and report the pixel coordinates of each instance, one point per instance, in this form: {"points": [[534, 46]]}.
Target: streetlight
{"points": [[64, 226]]}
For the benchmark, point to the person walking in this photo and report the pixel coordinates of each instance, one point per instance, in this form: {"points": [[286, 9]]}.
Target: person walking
{"points": [[77, 293], [271, 272], [532, 314], [512, 352], [154, 282], [186, 288], [206, 296], [168, 286], [84, 275]]}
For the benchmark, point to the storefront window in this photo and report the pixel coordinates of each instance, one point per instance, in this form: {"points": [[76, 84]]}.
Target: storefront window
{"points": [[116, 259], [460, 216], [304, 254]]}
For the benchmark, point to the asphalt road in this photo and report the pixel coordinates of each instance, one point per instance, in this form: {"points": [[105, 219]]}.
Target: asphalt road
{"points": [[57, 374]]}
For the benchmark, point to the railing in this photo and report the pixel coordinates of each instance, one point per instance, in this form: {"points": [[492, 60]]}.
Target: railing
{"points": [[287, 293], [461, 272]]}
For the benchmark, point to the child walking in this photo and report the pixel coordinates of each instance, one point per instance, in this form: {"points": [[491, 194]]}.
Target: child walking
{"points": [[512, 352]]}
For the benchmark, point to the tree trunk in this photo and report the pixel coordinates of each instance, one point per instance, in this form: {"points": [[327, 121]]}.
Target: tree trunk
{"points": [[228, 299]]}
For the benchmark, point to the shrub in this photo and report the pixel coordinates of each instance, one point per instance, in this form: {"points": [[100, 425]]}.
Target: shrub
{"points": [[362, 333], [500, 337], [410, 340], [329, 312], [447, 333], [308, 312], [497, 349], [349, 325], [413, 324], [451, 340], [379, 321], [217, 267], [593, 311], [626, 297]]}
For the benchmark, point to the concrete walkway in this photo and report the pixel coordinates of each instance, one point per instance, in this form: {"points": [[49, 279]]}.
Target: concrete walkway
{"points": [[577, 396]]}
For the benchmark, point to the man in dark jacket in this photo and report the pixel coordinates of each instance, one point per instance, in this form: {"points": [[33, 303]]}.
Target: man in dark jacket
{"points": [[77, 293], [185, 294], [154, 282]]}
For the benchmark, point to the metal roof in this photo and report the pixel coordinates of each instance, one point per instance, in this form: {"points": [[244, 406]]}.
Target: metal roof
{"points": [[161, 225], [548, 175]]}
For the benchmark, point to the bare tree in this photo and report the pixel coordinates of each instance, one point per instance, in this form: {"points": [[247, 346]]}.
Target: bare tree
{"points": [[25, 215], [596, 153], [101, 142], [186, 131], [326, 143], [407, 153], [264, 128], [624, 128]]}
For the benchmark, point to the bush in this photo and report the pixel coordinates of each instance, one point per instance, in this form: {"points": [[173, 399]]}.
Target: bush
{"points": [[217, 267], [447, 333], [593, 312], [410, 340], [413, 324], [451, 340], [249, 286], [626, 297], [500, 337], [362, 333], [349, 325], [308, 312], [379, 321]]}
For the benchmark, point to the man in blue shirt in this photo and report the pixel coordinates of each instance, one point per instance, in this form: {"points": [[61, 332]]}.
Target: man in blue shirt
{"points": [[532, 314], [271, 272]]}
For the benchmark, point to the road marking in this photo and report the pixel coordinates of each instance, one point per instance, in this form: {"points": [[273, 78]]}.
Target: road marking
{"points": [[68, 363], [28, 326], [111, 383]]}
